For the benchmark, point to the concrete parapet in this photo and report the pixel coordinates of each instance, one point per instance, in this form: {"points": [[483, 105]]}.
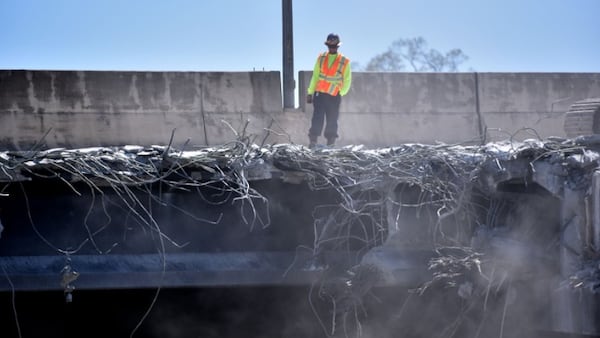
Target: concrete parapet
{"points": [[103, 108], [510, 102], [93, 108], [391, 108]]}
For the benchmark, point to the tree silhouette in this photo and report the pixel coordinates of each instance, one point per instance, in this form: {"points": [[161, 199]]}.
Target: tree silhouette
{"points": [[415, 54]]}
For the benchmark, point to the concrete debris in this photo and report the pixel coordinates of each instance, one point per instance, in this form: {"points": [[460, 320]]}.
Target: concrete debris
{"points": [[492, 215], [588, 277]]}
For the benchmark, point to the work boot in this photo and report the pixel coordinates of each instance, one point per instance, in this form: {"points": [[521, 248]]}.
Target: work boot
{"points": [[331, 142]]}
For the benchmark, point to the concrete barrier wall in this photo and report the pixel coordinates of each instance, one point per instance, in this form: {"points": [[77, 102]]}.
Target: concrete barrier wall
{"points": [[510, 102], [391, 108], [99, 108], [93, 108]]}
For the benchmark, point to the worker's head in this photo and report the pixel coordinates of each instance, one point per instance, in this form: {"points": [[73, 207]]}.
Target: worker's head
{"points": [[333, 41]]}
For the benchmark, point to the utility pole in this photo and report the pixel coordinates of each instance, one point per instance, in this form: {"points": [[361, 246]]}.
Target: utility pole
{"points": [[288, 55]]}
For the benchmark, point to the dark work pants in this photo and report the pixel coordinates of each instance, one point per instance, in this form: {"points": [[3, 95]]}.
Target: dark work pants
{"points": [[327, 110]]}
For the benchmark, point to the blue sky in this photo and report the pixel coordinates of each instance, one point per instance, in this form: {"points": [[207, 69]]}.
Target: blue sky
{"points": [[239, 35]]}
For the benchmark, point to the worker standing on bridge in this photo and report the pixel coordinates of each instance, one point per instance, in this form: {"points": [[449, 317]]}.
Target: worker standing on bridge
{"points": [[330, 81]]}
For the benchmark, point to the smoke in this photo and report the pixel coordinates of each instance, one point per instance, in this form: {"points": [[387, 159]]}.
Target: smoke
{"points": [[233, 312], [495, 280]]}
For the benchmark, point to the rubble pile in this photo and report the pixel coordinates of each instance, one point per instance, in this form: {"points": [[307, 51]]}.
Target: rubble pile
{"points": [[460, 196]]}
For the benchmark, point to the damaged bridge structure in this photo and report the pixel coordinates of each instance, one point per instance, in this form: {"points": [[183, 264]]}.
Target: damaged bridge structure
{"points": [[253, 237], [511, 221]]}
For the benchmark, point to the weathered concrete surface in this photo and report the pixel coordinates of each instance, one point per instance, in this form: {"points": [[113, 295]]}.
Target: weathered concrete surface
{"points": [[99, 108], [411, 107], [512, 101], [91, 108], [393, 108]]}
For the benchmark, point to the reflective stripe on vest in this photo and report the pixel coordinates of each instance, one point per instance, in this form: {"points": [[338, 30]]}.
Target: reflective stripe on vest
{"points": [[330, 77]]}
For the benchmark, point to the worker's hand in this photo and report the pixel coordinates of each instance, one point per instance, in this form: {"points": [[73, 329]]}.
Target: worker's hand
{"points": [[309, 99]]}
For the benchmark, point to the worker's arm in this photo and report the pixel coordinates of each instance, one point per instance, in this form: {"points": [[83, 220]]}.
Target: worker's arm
{"points": [[347, 80]]}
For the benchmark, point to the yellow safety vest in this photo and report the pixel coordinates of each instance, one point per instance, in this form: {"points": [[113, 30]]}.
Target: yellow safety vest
{"points": [[331, 77]]}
